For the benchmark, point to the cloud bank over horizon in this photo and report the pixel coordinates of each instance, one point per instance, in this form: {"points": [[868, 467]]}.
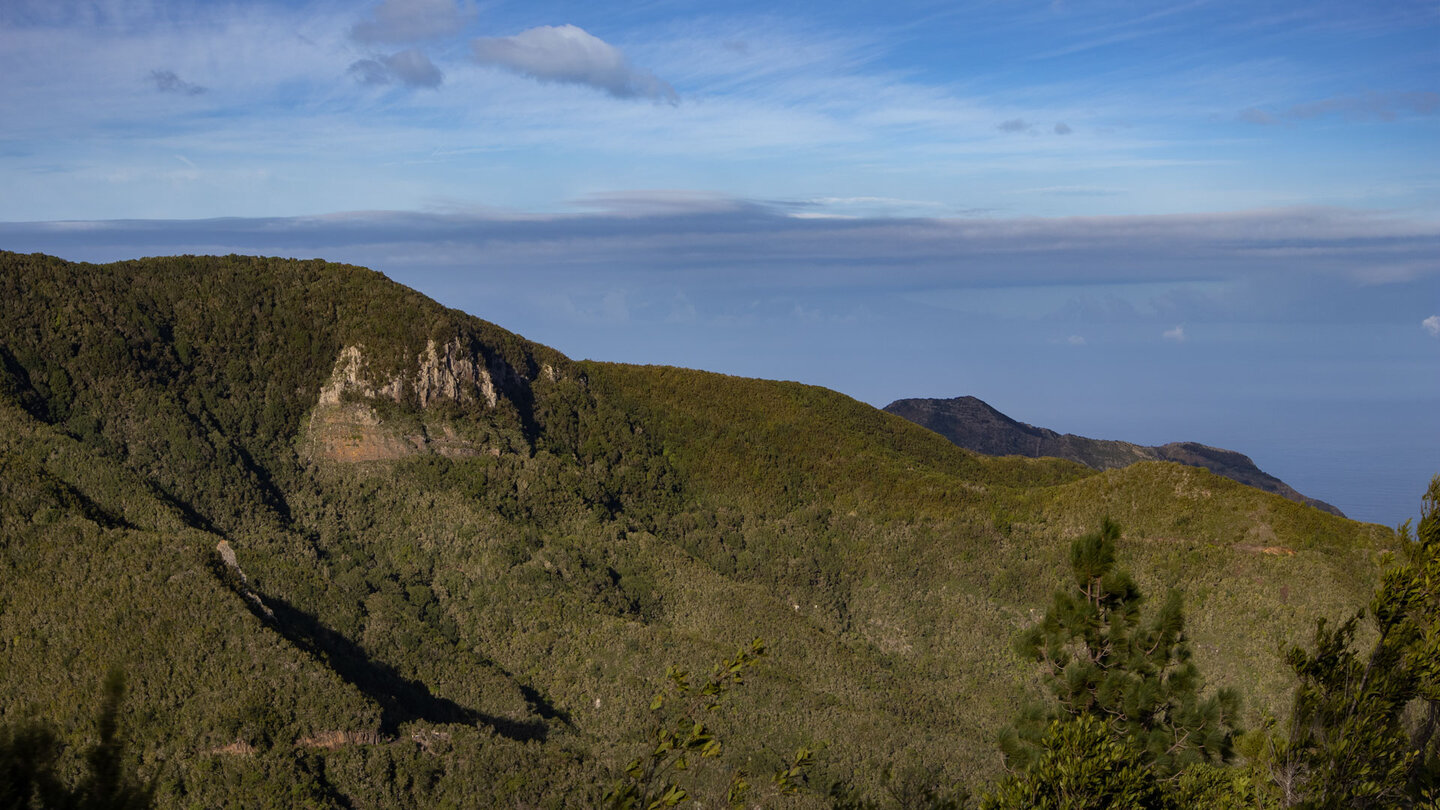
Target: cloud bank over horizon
{"points": [[1259, 264]]}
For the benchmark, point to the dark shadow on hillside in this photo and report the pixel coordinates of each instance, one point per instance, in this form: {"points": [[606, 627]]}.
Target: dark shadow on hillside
{"points": [[542, 705], [270, 493], [401, 700], [15, 385], [524, 399], [191, 516], [314, 766], [205, 423], [96, 513]]}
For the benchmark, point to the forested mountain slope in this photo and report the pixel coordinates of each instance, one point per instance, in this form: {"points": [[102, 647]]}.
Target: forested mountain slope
{"points": [[355, 549]]}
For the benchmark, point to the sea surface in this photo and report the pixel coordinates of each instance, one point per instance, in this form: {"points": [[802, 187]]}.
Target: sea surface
{"points": [[1380, 481], [1375, 485]]}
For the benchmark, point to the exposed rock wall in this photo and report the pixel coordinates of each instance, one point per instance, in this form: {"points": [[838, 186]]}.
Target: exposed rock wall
{"points": [[352, 431], [449, 372], [348, 377], [332, 740], [345, 425]]}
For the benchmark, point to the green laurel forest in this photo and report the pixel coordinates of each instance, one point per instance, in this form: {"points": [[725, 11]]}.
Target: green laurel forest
{"points": [[354, 549]]}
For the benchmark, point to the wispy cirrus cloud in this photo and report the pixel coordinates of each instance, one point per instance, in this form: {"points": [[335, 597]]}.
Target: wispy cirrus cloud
{"points": [[571, 55]]}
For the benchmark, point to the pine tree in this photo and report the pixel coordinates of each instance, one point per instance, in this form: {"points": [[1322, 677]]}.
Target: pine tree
{"points": [[1363, 728], [1102, 659]]}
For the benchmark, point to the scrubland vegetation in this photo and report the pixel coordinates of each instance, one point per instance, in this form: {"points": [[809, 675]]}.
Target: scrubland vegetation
{"points": [[489, 626]]}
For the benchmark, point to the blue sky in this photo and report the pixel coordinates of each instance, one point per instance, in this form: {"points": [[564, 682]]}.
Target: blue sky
{"points": [[1216, 221]]}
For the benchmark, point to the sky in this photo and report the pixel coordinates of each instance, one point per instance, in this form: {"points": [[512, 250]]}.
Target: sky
{"points": [[1212, 221]]}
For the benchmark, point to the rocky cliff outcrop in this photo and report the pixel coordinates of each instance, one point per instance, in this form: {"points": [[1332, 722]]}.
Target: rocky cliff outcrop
{"points": [[346, 424], [971, 423], [450, 371]]}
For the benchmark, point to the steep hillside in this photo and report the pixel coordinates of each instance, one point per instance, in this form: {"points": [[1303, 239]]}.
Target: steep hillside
{"points": [[972, 424], [354, 549]]}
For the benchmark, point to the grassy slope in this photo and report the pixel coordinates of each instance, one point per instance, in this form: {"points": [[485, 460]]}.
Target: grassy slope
{"points": [[642, 517]]}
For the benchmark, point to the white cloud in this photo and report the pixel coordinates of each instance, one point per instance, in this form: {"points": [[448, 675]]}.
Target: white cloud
{"points": [[1372, 106], [1255, 115], [167, 82], [1432, 325], [1075, 340], [1177, 334], [571, 55], [410, 66], [409, 21], [681, 310]]}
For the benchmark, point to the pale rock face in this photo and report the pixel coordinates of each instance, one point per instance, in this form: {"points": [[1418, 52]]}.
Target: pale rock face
{"points": [[346, 427], [444, 372], [347, 376], [450, 372], [227, 555]]}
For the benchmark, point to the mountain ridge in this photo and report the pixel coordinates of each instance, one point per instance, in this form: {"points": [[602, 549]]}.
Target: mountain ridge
{"points": [[973, 424]]}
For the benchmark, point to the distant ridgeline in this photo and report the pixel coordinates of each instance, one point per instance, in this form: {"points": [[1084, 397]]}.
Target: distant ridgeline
{"points": [[351, 548], [974, 425]]}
